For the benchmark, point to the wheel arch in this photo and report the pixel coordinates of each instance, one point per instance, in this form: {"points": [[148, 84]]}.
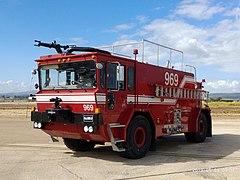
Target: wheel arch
{"points": [[207, 114]]}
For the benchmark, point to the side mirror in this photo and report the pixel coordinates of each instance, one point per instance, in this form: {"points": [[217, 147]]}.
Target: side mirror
{"points": [[34, 72], [120, 73], [36, 86], [120, 76]]}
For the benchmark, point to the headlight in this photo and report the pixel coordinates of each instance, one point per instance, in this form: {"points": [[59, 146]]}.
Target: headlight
{"points": [[90, 129], [85, 129], [35, 124], [39, 125]]}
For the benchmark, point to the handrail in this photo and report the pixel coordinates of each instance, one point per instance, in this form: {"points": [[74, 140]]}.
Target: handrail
{"points": [[195, 71], [143, 44]]}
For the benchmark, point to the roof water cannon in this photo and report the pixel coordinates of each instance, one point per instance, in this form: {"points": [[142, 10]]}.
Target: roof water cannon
{"points": [[54, 45], [68, 48]]}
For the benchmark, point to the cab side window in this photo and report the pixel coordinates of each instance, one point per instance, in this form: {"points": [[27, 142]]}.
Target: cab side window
{"points": [[116, 76], [112, 76], [131, 78]]}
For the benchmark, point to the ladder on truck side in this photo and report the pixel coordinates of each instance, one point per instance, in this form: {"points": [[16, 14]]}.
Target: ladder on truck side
{"points": [[115, 142]]}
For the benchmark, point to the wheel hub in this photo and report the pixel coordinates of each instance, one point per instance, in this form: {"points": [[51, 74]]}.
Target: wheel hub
{"points": [[139, 137], [201, 127]]}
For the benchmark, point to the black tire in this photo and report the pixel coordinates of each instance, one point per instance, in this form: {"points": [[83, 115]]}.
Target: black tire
{"points": [[139, 136], [78, 144], [201, 134], [190, 136]]}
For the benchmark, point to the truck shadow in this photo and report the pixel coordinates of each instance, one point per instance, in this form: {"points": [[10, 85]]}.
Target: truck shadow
{"points": [[174, 149]]}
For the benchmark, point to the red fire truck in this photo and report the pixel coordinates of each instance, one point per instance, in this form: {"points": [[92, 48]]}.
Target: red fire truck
{"points": [[96, 96]]}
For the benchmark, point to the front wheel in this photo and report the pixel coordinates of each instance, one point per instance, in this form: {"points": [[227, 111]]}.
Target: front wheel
{"points": [[78, 144], [139, 138], [201, 133]]}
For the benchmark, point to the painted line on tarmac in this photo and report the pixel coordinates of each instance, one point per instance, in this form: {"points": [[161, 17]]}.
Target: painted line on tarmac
{"points": [[50, 145], [207, 156], [178, 172]]}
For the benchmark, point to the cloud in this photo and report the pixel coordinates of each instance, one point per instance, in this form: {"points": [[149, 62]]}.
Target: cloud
{"points": [[13, 86], [234, 12], [214, 46], [121, 27], [202, 46], [217, 45], [78, 40], [227, 86], [198, 9], [158, 8], [142, 19], [180, 35]]}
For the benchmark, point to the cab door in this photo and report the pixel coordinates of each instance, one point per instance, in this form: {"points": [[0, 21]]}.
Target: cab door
{"points": [[116, 90]]}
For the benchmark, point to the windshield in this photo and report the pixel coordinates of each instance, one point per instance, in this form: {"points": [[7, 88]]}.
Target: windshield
{"points": [[76, 75]]}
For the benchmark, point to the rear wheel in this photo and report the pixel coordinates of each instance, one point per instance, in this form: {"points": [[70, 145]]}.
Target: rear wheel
{"points": [[139, 138], [78, 144], [201, 134]]}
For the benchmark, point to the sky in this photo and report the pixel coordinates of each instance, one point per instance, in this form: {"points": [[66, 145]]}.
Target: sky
{"points": [[207, 31]]}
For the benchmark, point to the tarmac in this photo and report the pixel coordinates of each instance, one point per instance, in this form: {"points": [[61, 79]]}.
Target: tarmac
{"points": [[26, 153]]}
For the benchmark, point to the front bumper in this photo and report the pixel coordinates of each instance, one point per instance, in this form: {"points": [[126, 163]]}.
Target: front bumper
{"points": [[89, 122]]}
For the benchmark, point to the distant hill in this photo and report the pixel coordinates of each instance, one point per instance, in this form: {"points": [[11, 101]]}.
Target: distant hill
{"points": [[22, 94], [234, 96]]}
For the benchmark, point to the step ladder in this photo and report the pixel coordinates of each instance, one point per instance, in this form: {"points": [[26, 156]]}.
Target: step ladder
{"points": [[114, 141]]}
